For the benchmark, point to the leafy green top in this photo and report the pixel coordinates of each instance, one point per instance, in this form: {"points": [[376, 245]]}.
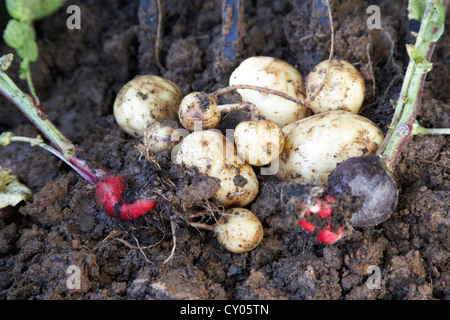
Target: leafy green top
{"points": [[19, 32]]}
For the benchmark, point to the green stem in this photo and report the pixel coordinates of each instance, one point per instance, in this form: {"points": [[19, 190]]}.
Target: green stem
{"points": [[71, 153], [408, 104], [30, 83], [36, 115]]}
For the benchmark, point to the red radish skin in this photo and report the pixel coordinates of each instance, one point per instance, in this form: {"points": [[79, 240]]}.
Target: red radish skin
{"points": [[323, 209], [329, 237], [110, 192]]}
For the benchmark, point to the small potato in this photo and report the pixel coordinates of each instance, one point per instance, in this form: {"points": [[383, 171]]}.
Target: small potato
{"points": [[163, 135], [258, 142], [239, 230], [315, 145], [213, 154], [199, 111], [144, 100], [274, 74], [343, 90]]}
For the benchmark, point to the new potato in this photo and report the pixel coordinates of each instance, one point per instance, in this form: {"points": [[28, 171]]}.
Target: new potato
{"points": [[239, 230], [162, 135], [144, 100], [213, 154], [315, 145], [343, 90], [199, 111], [274, 74], [258, 142]]}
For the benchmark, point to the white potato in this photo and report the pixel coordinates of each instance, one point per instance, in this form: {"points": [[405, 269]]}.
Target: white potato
{"points": [[274, 74], [315, 145], [199, 109], [213, 154], [143, 100], [163, 135], [239, 230], [343, 90], [258, 142]]}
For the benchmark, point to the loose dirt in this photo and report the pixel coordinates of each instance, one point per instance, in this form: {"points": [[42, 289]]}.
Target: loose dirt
{"points": [[78, 74]]}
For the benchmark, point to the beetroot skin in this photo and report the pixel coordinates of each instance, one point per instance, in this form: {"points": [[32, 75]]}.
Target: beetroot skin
{"points": [[367, 179], [110, 194]]}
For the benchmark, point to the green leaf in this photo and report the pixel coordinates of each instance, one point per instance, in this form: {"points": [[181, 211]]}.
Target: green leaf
{"points": [[14, 34], [416, 9], [20, 9], [21, 36], [45, 8], [435, 28], [28, 10]]}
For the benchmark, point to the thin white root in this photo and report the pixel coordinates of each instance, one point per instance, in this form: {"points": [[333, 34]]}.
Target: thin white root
{"points": [[174, 236]]}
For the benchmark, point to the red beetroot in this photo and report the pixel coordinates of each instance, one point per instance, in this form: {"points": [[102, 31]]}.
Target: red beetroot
{"points": [[110, 193], [323, 209]]}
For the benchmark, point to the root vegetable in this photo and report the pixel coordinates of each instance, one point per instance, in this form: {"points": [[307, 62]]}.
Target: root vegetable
{"points": [[366, 178], [213, 154], [343, 89], [239, 230], [112, 193], [162, 135], [274, 74], [258, 142], [201, 111], [144, 100], [370, 178], [315, 145]]}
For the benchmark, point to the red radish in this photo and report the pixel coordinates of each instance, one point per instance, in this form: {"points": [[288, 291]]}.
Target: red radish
{"points": [[324, 210], [110, 193], [111, 189]]}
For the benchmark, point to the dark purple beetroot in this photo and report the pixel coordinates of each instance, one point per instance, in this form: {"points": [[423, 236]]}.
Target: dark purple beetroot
{"points": [[367, 179]]}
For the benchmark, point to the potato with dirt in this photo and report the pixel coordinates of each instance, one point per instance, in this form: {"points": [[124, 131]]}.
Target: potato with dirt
{"points": [[198, 110], [271, 73], [144, 100], [315, 145], [163, 135], [343, 88], [213, 154], [239, 230], [259, 142]]}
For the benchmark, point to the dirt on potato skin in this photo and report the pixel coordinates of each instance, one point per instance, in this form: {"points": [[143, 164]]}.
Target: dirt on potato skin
{"points": [[77, 77]]}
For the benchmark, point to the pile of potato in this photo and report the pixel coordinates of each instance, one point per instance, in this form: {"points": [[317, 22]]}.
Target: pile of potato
{"points": [[298, 142]]}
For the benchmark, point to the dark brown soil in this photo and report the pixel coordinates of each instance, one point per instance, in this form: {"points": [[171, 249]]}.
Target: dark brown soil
{"points": [[78, 74]]}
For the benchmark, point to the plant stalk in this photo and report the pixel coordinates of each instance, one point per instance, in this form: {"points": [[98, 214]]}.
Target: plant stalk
{"points": [[408, 104], [72, 154]]}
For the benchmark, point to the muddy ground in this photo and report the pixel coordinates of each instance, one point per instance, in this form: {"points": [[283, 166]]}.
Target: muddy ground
{"points": [[78, 74]]}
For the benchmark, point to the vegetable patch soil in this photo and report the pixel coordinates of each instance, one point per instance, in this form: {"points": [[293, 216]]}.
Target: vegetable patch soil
{"points": [[79, 73]]}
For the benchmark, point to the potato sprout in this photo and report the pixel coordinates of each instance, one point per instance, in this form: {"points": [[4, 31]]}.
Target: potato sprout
{"points": [[239, 230], [315, 145], [275, 74], [343, 89], [258, 142], [144, 100], [213, 154]]}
